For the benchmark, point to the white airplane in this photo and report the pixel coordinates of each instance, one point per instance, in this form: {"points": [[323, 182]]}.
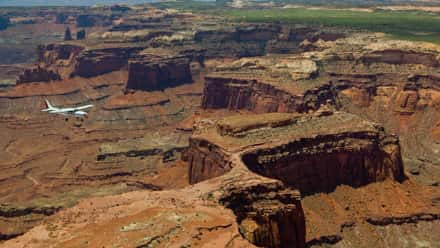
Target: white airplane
{"points": [[76, 111]]}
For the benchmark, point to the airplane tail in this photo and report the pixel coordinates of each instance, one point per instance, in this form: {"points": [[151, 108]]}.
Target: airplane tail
{"points": [[49, 106]]}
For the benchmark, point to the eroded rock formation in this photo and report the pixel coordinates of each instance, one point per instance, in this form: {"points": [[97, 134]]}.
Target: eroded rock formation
{"points": [[156, 69], [264, 86], [38, 74], [94, 62], [355, 152], [247, 170]]}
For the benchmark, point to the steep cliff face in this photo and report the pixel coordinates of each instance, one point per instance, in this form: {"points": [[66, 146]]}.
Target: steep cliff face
{"points": [[322, 163], [312, 153], [51, 54], [73, 60], [397, 88], [157, 71], [206, 161], [269, 215], [261, 97], [38, 74], [55, 62], [317, 154], [95, 62]]}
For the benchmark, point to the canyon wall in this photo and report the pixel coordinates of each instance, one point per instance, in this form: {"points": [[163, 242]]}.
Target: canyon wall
{"points": [[206, 160], [310, 152], [268, 214], [322, 163], [100, 61], [260, 97], [155, 72], [38, 74]]}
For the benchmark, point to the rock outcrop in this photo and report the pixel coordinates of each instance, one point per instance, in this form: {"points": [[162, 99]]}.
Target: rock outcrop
{"points": [[55, 62], [266, 85], [52, 54], [38, 74], [356, 152], [206, 161], [321, 163], [268, 215], [313, 153], [94, 62], [157, 69], [291, 136]]}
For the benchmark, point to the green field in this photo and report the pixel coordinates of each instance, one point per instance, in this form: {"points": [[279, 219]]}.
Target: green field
{"points": [[411, 25], [408, 25]]}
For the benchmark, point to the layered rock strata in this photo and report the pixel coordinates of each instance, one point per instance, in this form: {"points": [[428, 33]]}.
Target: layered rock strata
{"points": [[94, 62], [314, 153], [157, 69], [38, 74], [265, 85]]}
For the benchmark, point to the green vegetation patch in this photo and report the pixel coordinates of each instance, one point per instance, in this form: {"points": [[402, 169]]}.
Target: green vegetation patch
{"points": [[410, 25], [406, 25]]}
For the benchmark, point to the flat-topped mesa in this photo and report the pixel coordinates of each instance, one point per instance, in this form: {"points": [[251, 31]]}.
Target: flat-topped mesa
{"points": [[158, 69], [38, 74], [268, 84], [95, 62], [314, 152]]}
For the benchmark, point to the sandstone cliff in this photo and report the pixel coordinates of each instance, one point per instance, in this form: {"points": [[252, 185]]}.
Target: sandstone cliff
{"points": [[356, 152], [94, 62], [38, 74], [266, 85], [156, 69]]}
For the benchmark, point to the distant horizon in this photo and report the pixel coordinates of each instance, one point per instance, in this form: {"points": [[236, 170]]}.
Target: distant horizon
{"points": [[43, 3], [58, 3]]}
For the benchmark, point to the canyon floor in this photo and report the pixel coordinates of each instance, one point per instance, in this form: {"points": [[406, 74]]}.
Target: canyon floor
{"points": [[209, 132]]}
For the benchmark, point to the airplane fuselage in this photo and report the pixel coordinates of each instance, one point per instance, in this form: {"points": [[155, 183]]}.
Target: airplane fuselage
{"points": [[76, 111]]}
